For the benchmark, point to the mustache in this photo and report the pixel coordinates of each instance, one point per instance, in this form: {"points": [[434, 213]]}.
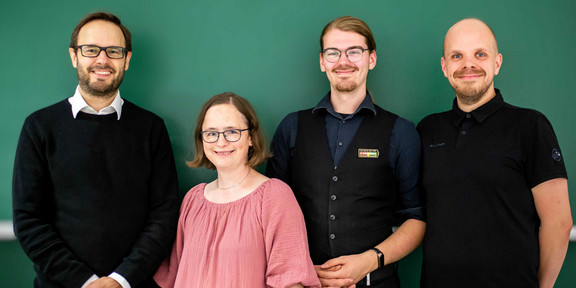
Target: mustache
{"points": [[469, 71], [345, 67], [102, 67]]}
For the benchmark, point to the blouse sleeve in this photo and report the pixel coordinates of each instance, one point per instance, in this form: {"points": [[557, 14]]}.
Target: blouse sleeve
{"points": [[165, 277], [287, 254]]}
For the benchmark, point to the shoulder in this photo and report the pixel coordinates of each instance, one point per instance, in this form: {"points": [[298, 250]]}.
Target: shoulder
{"points": [[275, 190], [133, 111], [433, 119], [49, 115], [525, 114], [289, 122]]}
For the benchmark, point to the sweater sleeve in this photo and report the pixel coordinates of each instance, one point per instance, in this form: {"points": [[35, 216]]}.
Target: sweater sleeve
{"points": [[33, 212], [288, 257], [157, 237]]}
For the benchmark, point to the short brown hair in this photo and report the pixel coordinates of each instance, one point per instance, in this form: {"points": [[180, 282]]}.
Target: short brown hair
{"points": [[350, 24], [257, 153], [101, 16]]}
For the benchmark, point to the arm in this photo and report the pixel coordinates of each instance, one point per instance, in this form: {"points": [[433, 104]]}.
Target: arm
{"points": [[288, 262], [157, 236], [553, 207], [32, 198], [337, 272], [278, 165]]}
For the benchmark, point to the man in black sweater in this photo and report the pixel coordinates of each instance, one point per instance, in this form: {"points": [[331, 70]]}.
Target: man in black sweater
{"points": [[95, 188]]}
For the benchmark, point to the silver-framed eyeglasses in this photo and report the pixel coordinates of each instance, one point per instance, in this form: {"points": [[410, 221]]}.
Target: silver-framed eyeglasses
{"points": [[113, 52], [231, 135], [353, 54]]}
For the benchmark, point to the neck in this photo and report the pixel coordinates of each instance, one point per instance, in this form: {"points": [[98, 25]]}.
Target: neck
{"points": [[98, 102], [232, 179], [468, 107], [347, 102]]}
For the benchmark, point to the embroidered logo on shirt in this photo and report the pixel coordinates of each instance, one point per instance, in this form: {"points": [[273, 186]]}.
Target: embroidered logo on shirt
{"points": [[437, 145], [368, 153], [556, 155]]}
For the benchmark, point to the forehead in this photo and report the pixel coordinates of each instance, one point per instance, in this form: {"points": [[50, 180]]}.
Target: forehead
{"points": [[339, 39], [223, 116], [469, 34], [102, 33]]}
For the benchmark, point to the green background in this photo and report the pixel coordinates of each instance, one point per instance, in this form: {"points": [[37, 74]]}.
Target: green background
{"points": [[267, 51]]}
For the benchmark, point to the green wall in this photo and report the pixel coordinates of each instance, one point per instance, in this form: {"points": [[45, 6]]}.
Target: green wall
{"points": [[267, 51]]}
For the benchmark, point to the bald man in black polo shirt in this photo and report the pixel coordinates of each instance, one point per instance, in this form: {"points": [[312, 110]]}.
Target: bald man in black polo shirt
{"points": [[495, 182]]}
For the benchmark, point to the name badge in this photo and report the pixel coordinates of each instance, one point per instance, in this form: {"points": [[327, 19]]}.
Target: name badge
{"points": [[368, 153]]}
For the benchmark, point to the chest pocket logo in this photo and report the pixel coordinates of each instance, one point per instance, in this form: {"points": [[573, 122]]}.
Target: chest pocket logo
{"points": [[368, 153]]}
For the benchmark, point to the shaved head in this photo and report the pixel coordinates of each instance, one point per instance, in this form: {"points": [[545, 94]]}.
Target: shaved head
{"points": [[469, 24]]}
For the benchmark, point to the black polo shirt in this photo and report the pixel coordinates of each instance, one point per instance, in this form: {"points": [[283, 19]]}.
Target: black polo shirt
{"points": [[478, 172]]}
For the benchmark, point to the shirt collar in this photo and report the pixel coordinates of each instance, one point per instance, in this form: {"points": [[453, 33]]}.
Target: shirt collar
{"points": [[479, 114], [79, 104], [326, 104]]}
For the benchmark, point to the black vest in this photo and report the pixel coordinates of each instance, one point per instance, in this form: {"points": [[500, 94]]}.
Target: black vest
{"points": [[348, 209]]}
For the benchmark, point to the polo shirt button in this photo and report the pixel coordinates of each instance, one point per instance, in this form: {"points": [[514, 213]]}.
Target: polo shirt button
{"points": [[333, 197], [332, 236], [335, 178], [463, 132], [468, 115], [332, 217]]}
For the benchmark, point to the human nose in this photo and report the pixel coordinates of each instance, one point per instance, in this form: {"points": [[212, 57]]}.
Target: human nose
{"points": [[221, 140], [469, 62], [102, 57], [343, 58]]}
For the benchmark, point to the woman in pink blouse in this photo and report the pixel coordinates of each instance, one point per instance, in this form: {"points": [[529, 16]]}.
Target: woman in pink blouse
{"points": [[242, 229]]}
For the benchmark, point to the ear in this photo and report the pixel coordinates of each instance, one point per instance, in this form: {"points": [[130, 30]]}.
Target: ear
{"points": [[498, 63], [128, 57], [443, 63], [73, 57], [322, 67], [372, 60]]}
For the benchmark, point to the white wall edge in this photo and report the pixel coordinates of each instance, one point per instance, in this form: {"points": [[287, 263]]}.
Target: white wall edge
{"points": [[6, 231]]}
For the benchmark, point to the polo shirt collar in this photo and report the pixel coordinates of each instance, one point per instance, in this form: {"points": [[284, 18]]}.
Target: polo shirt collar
{"points": [[326, 104], [79, 104], [481, 113]]}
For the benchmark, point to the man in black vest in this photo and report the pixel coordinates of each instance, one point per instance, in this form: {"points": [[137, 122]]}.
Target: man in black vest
{"points": [[496, 190], [353, 166], [95, 192]]}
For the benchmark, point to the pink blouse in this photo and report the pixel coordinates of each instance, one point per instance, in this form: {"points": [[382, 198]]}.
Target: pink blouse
{"points": [[256, 241]]}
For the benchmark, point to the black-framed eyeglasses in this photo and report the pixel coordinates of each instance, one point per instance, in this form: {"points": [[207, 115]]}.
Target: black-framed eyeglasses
{"points": [[231, 135], [113, 52], [353, 54]]}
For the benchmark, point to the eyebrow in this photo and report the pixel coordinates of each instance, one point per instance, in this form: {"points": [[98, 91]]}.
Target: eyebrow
{"points": [[351, 47]]}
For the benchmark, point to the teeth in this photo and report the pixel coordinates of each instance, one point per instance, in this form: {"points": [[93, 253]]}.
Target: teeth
{"points": [[102, 72]]}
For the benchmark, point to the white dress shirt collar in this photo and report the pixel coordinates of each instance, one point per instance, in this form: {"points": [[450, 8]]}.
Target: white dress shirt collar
{"points": [[79, 104]]}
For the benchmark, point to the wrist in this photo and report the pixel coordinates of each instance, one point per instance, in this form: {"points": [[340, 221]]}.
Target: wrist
{"points": [[380, 257]]}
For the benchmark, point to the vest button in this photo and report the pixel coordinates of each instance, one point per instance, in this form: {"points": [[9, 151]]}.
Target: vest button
{"points": [[333, 197], [332, 217], [334, 178], [332, 236], [468, 115], [463, 132]]}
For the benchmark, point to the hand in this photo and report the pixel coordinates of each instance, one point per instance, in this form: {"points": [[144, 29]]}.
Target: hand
{"points": [[345, 271], [104, 282]]}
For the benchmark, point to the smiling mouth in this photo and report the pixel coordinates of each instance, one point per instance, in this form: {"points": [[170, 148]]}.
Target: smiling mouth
{"points": [[223, 152]]}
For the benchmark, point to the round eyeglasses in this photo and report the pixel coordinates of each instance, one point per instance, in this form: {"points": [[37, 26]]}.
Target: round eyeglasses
{"points": [[112, 52], [231, 135], [353, 54]]}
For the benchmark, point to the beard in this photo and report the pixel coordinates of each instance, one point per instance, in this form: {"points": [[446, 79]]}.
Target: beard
{"points": [[345, 85], [468, 93], [99, 88]]}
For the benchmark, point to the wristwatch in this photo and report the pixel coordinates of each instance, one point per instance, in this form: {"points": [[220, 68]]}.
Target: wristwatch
{"points": [[380, 257]]}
